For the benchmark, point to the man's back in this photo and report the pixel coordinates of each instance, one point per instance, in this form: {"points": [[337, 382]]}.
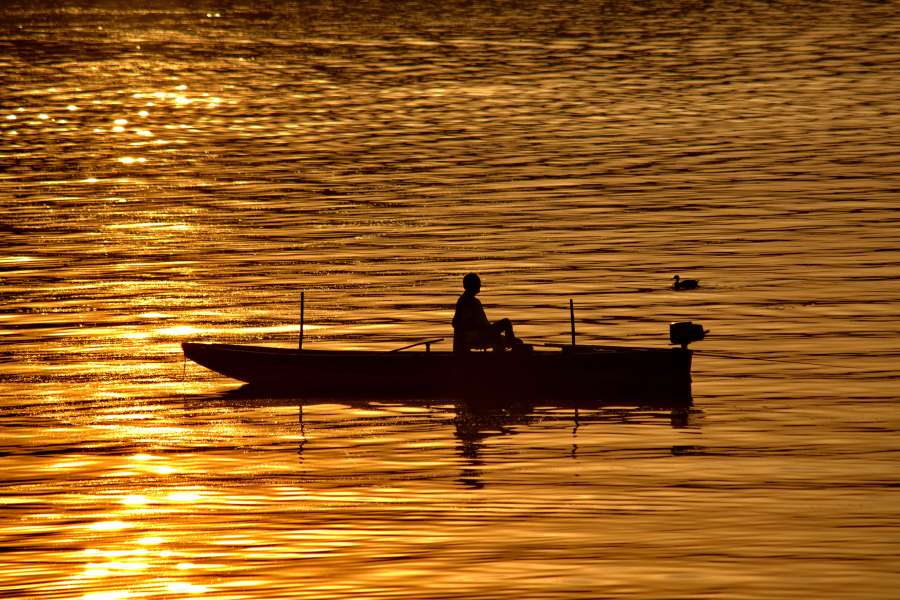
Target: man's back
{"points": [[469, 315]]}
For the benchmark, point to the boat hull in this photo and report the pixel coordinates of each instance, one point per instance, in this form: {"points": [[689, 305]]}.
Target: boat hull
{"points": [[634, 374]]}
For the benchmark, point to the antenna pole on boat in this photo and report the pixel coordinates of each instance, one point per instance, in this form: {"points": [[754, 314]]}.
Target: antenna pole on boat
{"points": [[302, 302], [572, 320]]}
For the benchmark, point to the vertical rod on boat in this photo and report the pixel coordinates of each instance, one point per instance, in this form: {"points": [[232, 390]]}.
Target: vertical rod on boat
{"points": [[572, 320], [302, 302]]}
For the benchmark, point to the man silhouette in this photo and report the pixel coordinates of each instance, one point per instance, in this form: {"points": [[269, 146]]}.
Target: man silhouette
{"points": [[471, 327]]}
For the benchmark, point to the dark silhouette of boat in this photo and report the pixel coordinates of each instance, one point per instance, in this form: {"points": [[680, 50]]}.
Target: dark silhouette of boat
{"points": [[574, 372]]}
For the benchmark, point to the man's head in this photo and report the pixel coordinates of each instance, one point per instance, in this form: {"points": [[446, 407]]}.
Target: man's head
{"points": [[472, 283]]}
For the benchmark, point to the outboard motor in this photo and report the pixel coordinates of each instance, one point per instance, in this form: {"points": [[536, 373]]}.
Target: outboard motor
{"points": [[685, 332]]}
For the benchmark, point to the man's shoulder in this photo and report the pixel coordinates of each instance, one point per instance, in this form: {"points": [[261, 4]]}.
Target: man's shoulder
{"points": [[468, 300]]}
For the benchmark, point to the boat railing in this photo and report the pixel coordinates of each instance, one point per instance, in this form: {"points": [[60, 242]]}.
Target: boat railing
{"points": [[597, 348], [426, 343]]}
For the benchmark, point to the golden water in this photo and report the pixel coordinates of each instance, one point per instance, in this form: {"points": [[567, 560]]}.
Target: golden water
{"points": [[184, 172]]}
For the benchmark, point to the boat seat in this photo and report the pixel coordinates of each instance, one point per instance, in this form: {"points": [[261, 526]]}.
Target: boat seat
{"points": [[467, 343]]}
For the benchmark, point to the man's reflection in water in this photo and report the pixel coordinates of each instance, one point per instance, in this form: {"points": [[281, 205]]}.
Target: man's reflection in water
{"points": [[474, 424]]}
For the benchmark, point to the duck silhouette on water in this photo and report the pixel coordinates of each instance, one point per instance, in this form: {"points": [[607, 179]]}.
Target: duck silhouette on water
{"points": [[685, 284]]}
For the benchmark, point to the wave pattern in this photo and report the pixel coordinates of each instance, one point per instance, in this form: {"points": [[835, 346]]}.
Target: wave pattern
{"points": [[183, 173]]}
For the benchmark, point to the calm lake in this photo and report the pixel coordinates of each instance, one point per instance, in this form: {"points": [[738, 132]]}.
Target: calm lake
{"points": [[184, 172]]}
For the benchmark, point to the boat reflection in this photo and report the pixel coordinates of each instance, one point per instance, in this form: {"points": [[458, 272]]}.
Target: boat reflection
{"points": [[476, 423]]}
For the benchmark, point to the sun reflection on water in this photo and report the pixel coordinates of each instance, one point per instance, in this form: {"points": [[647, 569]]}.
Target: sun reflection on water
{"points": [[110, 525], [146, 564], [116, 595]]}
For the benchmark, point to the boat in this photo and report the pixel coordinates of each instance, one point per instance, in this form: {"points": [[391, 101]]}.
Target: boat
{"points": [[570, 371]]}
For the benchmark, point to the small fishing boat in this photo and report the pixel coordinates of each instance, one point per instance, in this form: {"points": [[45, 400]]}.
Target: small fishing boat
{"points": [[572, 371]]}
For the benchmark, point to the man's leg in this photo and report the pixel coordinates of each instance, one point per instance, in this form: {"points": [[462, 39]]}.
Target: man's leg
{"points": [[503, 335]]}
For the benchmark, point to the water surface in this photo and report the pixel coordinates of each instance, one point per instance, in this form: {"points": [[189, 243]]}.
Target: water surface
{"points": [[184, 172]]}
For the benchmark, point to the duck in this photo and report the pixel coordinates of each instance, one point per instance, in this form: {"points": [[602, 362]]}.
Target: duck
{"points": [[685, 284]]}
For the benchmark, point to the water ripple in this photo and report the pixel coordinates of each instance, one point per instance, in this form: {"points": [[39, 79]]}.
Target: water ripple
{"points": [[180, 172]]}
